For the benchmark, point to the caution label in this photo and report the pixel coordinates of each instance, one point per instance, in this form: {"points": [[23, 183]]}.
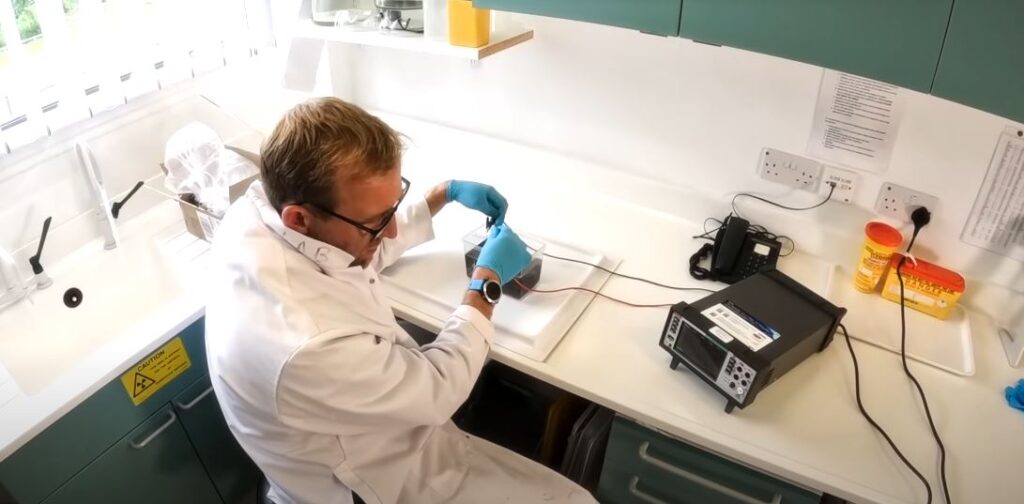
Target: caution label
{"points": [[155, 371]]}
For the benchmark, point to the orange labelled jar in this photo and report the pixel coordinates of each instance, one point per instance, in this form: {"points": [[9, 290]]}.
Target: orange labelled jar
{"points": [[880, 242]]}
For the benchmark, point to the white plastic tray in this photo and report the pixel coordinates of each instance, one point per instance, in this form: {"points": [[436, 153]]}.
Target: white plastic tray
{"points": [[432, 278], [945, 344]]}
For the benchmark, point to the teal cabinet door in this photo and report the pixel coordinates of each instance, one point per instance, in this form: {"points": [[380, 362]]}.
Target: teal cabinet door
{"points": [[230, 469], [981, 63], [67, 446], [154, 464], [642, 465], [896, 41], [660, 17]]}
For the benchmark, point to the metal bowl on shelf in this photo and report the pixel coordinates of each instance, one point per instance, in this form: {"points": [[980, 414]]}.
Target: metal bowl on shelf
{"points": [[400, 15]]}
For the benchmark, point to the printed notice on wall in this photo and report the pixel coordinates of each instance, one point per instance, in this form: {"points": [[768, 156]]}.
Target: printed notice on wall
{"points": [[997, 218], [856, 121]]}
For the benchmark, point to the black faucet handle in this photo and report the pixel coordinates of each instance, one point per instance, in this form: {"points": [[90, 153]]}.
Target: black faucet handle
{"points": [[115, 209], [37, 267]]}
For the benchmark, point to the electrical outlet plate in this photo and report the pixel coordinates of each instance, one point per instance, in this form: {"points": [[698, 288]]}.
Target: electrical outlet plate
{"points": [[847, 183], [789, 169], [896, 202]]}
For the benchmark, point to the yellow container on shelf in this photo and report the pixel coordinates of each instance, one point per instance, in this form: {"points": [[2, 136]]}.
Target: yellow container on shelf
{"points": [[880, 242], [927, 288], [468, 26]]}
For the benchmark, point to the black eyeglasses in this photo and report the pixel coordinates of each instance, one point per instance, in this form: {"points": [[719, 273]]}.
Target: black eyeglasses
{"points": [[385, 219]]}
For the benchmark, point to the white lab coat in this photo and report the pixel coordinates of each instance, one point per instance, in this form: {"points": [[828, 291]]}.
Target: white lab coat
{"points": [[326, 392]]}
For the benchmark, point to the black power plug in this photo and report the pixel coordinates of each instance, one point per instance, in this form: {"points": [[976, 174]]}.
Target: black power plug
{"points": [[920, 217]]}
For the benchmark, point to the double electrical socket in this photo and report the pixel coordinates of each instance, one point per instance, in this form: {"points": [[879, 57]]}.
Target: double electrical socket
{"points": [[897, 202], [789, 169], [807, 174]]}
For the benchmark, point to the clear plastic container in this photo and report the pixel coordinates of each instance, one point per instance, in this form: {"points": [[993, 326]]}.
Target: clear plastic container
{"points": [[359, 14], [518, 287]]}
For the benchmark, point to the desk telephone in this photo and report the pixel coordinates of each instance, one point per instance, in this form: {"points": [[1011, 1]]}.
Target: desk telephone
{"points": [[737, 252]]}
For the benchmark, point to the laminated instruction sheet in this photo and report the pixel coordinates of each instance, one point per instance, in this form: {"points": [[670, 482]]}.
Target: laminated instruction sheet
{"points": [[996, 222], [856, 121]]}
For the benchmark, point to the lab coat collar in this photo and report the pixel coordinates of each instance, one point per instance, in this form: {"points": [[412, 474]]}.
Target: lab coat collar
{"points": [[328, 257]]}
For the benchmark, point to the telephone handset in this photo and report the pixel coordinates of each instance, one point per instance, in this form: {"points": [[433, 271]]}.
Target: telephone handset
{"points": [[737, 252]]}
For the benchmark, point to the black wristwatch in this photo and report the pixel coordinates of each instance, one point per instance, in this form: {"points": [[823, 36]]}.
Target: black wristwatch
{"points": [[489, 289]]}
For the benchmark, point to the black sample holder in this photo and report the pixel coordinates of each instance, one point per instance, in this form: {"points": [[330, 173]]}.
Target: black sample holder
{"points": [[529, 277]]}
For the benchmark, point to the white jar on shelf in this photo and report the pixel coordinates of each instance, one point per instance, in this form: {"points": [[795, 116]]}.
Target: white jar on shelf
{"points": [[435, 19]]}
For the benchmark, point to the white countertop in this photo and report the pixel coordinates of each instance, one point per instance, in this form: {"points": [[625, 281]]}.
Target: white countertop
{"points": [[805, 427]]}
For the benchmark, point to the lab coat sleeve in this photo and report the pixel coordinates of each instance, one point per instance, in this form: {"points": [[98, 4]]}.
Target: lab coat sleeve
{"points": [[415, 226], [354, 384]]}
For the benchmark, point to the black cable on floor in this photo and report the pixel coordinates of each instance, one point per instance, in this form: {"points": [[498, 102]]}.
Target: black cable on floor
{"points": [[863, 411]]}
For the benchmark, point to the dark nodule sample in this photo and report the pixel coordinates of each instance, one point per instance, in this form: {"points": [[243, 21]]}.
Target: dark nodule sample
{"points": [[529, 277]]}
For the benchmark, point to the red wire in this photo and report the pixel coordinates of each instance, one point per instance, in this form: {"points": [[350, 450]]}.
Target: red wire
{"points": [[552, 291]]}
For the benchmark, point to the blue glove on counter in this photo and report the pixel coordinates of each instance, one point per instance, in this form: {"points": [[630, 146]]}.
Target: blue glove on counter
{"points": [[1015, 395], [480, 197], [504, 253]]}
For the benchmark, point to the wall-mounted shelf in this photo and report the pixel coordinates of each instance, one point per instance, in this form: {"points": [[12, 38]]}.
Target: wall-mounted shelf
{"points": [[410, 42]]}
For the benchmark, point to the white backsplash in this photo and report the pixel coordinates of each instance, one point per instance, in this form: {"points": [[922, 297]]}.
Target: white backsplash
{"points": [[669, 109], [45, 179], [689, 114]]}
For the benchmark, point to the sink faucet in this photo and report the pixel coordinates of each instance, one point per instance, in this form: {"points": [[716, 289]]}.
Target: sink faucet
{"points": [[102, 202], [13, 287]]}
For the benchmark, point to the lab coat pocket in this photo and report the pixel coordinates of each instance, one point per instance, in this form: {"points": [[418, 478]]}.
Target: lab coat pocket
{"points": [[348, 478], [442, 469]]}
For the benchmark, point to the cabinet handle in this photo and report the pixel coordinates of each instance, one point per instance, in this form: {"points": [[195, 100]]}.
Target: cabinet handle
{"points": [[704, 482], [189, 405], [640, 494], [142, 444]]}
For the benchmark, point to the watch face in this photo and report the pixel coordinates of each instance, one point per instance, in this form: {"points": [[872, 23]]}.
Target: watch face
{"points": [[492, 291]]}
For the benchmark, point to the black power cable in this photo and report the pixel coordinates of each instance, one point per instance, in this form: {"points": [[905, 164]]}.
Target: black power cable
{"points": [[638, 279], [920, 217], [832, 189], [863, 411]]}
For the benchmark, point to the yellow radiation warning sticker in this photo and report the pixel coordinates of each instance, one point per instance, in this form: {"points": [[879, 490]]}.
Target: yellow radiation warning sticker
{"points": [[155, 371]]}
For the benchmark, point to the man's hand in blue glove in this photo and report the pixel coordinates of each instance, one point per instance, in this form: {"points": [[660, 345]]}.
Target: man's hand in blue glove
{"points": [[481, 197], [1015, 395], [504, 253]]}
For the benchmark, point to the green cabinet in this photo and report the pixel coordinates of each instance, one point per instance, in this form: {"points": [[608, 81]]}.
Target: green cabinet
{"points": [[174, 446], [642, 465], [896, 41], [232, 472], [981, 63], [660, 17], [154, 464], [77, 438]]}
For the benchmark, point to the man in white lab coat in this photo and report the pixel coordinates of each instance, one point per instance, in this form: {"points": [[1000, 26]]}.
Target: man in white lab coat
{"points": [[322, 388]]}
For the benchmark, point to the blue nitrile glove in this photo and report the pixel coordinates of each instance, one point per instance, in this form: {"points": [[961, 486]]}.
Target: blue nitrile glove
{"points": [[481, 197], [1015, 395], [504, 253]]}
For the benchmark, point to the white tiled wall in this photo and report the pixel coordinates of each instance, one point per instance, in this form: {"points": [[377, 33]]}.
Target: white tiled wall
{"points": [[664, 108], [689, 114], [45, 179]]}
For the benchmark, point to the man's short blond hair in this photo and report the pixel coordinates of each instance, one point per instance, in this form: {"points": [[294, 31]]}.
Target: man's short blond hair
{"points": [[320, 141]]}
